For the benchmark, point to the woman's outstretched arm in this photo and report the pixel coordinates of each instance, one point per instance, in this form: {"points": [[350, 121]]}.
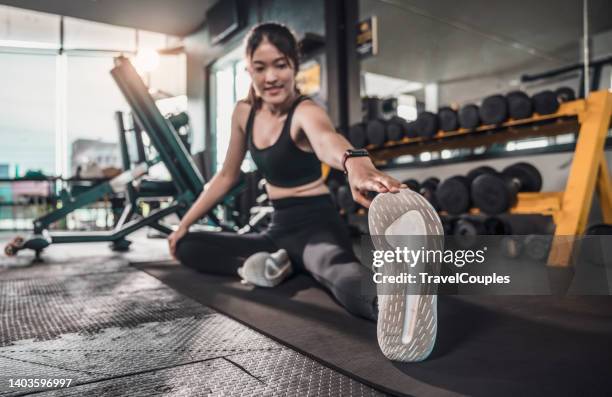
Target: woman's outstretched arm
{"points": [[329, 146]]}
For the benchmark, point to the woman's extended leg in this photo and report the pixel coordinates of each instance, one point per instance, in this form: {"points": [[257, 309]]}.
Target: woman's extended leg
{"points": [[337, 268], [327, 254]]}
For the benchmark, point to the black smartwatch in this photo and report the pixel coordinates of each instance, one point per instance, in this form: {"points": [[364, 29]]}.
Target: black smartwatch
{"points": [[353, 153]]}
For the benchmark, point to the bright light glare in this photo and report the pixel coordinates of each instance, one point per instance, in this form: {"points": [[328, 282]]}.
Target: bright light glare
{"points": [[146, 60], [426, 156]]}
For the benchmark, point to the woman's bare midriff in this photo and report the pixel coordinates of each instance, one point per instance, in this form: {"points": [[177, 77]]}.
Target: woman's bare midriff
{"points": [[314, 188]]}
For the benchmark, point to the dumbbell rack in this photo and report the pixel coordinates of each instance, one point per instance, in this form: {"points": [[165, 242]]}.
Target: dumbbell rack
{"points": [[569, 208]]}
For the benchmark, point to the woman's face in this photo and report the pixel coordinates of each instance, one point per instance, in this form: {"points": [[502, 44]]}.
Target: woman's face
{"points": [[272, 74]]}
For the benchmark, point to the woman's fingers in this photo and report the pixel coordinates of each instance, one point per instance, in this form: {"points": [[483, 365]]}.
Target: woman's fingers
{"points": [[392, 184], [361, 199], [373, 185], [360, 195]]}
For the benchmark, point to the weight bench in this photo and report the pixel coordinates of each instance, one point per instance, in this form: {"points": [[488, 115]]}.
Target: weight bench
{"points": [[185, 186]]}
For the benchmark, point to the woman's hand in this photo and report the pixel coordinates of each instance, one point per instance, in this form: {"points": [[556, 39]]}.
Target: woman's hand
{"points": [[174, 238], [364, 177]]}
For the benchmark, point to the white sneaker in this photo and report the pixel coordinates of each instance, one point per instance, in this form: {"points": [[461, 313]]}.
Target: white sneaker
{"points": [[265, 269], [407, 317]]}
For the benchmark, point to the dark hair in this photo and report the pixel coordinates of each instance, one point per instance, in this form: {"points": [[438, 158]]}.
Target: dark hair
{"points": [[279, 36]]}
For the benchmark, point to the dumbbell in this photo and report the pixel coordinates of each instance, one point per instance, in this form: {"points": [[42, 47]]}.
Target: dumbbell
{"points": [[545, 102], [466, 232], [469, 116], [413, 184], [494, 110], [496, 193], [449, 120], [411, 129], [519, 105], [448, 224], [396, 128], [483, 169], [467, 229], [453, 195], [13, 246], [488, 226], [495, 226], [536, 247], [357, 135], [565, 94], [512, 246], [376, 132], [428, 190], [427, 124]]}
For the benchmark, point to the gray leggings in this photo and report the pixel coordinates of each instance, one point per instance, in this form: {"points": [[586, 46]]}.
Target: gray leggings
{"points": [[315, 237]]}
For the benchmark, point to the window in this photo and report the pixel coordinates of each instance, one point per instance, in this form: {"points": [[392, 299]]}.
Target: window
{"points": [[58, 109], [51, 104], [231, 83], [90, 107], [28, 112]]}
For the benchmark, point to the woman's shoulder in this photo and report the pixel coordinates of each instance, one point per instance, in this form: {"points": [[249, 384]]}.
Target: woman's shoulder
{"points": [[307, 106], [241, 113], [242, 106]]}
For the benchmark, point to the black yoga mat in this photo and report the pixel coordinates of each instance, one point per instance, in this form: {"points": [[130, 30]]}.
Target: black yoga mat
{"points": [[512, 345]]}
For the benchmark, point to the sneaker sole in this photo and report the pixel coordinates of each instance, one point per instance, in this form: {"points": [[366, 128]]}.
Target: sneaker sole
{"points": [[407, 324]]}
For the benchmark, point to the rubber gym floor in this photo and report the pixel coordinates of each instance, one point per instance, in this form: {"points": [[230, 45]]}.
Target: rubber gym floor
{"points": [[138, 324], [87, 315]]}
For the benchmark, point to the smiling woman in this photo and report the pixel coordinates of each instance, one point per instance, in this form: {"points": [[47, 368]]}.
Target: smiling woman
{"points": [[274, 63], [288, 137]]}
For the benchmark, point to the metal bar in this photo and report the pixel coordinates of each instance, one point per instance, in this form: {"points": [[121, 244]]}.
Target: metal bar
{"points": [[353, 64], [88, 197], [572, 218], [526, 78], [140, 150], [125, 157], [142, 117], [162, 134], [62, 238], [161, 228], [125, 154], [126, 215], [342, 63], [333, 55]]}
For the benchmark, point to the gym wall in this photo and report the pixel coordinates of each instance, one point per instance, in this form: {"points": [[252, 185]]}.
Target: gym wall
{"points": [[473, 49]]}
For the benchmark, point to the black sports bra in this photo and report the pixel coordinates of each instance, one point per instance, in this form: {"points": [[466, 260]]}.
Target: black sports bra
{"points": [[284, 164]]}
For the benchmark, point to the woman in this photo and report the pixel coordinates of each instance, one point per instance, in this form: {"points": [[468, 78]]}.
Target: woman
{"points": [[288, 137]]}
